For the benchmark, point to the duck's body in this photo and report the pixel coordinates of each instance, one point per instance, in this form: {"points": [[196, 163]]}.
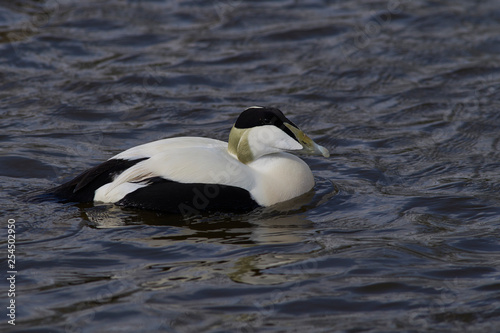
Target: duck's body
{"points": [[191, 174]]}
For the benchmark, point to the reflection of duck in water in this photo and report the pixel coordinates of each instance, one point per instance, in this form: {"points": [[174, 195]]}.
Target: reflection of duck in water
{"points": [[191, 174]]}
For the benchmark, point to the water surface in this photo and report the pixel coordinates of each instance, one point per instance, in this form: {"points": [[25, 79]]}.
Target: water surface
{"points": [[400, 235]]}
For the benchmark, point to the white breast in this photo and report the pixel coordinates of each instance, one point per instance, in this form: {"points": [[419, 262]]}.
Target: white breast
{"points": [[280, 177]]}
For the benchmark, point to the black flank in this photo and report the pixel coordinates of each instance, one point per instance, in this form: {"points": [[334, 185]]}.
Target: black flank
{"points": [[192, 198], [83, 187]]}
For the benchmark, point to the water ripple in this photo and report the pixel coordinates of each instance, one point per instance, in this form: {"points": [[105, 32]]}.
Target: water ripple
{"points": [[399, 234]]}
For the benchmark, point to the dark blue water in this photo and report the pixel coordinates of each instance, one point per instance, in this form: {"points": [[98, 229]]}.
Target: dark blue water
{"points": [[401, 235]]}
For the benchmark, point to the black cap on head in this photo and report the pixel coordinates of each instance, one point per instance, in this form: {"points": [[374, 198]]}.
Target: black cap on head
{"points": [[260, 116]]}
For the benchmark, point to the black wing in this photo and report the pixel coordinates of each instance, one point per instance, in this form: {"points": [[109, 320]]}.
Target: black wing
{"points": [[83, 187]]}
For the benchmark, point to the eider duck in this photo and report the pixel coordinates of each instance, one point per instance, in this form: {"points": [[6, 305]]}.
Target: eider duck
{"points": [[188, 175]]}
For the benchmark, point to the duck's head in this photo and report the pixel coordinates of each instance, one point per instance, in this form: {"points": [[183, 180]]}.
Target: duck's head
{"points": [[260, 131]]}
